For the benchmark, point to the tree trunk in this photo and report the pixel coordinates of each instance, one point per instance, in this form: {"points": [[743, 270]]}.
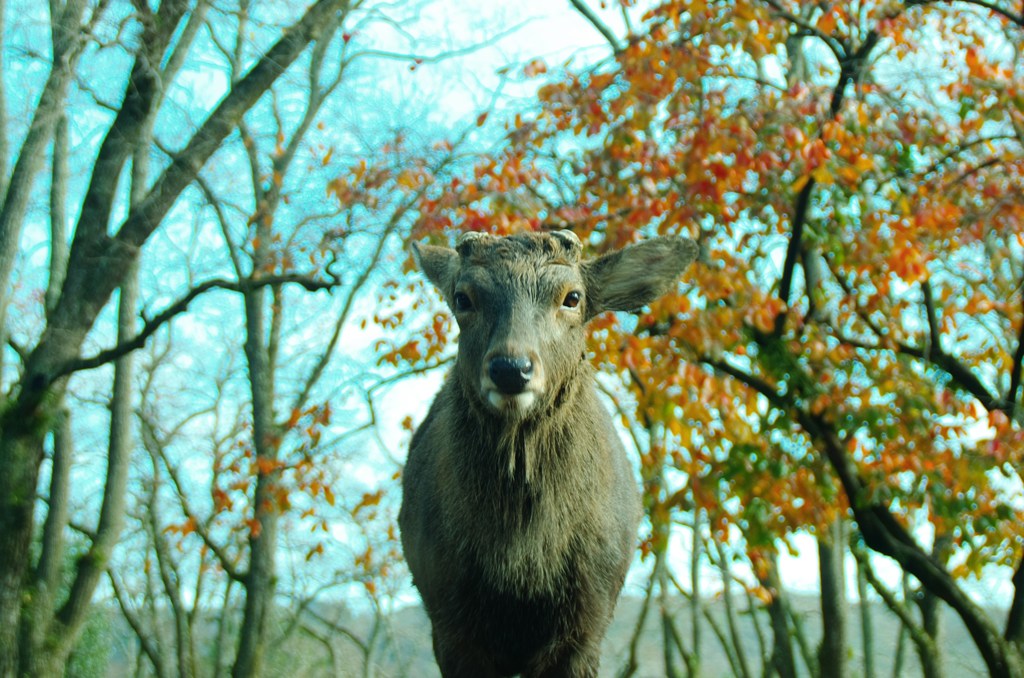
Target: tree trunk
{"points": [[50, 651], [260, 580], [632, 663], [832, 655], [46, 580], [21, 448], [730, 612], [782, 659], [21, 437], [58, 213], [67, 47], [260, 583], [930, 655], [49, 657], [867, 627], [696, 548], [668, 641], [901, 641]]}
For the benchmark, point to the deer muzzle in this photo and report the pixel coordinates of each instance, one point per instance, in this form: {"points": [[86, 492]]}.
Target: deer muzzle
{"points": [[510, 374]]}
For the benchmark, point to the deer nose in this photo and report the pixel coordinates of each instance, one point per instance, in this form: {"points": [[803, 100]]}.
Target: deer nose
{"points": [[509, 374]]}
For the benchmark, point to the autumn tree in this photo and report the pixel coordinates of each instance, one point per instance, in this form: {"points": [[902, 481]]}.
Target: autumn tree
{"points": [[851, 346]]}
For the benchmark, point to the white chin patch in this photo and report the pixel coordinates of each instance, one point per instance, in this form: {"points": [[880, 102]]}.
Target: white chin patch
{"points": [[520, 402]]}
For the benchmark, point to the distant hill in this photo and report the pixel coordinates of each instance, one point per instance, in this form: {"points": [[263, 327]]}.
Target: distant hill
{"points": [[409, 653], [962, 659], [412, 631]]}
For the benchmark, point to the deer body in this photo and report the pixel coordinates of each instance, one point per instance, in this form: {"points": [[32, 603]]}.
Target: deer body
{"points": [[519, 510]]}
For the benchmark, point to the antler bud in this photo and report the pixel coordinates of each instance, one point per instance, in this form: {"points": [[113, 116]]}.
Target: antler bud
{"points": [[465, 240]]}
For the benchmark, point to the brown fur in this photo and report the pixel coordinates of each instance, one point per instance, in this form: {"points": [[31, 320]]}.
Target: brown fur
{"points": [[520, 511]]}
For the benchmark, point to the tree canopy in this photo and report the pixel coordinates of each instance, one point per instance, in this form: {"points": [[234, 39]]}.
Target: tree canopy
{"points": [[852, 343]]}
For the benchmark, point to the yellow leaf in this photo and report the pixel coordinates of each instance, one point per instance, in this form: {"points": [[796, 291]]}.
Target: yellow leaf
{"points": [[408, 179], [864, 163], [315, 551], [822, 175]]}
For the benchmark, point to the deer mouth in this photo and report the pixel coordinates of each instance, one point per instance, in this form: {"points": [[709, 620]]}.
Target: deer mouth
{"points": [[510, 403]]}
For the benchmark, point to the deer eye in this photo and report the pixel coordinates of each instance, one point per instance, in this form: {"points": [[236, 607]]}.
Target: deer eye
{"points": [[572, 300], [463, 302]]}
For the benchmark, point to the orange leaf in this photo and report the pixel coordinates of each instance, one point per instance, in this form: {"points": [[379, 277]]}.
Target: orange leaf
{"points": [[535, 68], [827, 22], [369, 499]]}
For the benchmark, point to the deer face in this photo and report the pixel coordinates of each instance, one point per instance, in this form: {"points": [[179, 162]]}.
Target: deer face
{"points": [[522, 301]]}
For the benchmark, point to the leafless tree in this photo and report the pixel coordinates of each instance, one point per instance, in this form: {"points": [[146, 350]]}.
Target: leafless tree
{"points": [[105, 245]]}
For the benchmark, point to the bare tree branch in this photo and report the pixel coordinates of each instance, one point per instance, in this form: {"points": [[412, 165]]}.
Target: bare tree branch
{"points": [[799, 220], [962, 148], [990, 6], [143, 92], [736, 640], [155, 447], [179, 307], [31, 154], [1012, 398], [97, 264], [58, 213], [391, 227], [851, 65], [179, 48], [961, 375], [934, 334], [900, 609], [169, 579], [149, 648], [438, 57], [805, 28], [596, 22], [632, 663], [52, 547]]}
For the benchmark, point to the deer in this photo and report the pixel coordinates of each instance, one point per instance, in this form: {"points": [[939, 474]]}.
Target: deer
{"points": [[520, 508]]}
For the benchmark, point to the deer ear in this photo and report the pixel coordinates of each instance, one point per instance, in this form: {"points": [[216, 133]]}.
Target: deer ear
{"points": [[439, 264], [636, 275]]}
